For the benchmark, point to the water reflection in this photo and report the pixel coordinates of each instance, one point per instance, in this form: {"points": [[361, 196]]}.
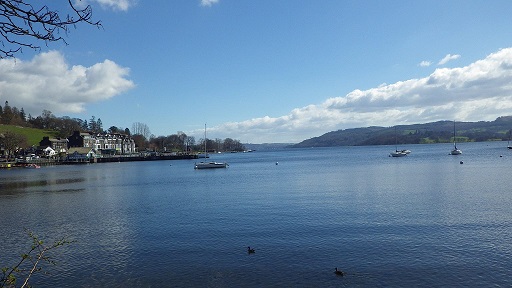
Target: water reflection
{"points": [[13, 187]]}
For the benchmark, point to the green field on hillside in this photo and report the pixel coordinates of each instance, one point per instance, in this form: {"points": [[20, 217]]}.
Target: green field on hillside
{"points": [[33, 135]]}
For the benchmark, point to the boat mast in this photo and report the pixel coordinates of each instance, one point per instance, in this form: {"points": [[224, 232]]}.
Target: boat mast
{"points": [[396, 141], [205, 141], [454, 142]]}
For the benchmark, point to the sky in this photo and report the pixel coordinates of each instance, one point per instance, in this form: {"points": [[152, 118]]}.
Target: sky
{"points": [[271, 71]]}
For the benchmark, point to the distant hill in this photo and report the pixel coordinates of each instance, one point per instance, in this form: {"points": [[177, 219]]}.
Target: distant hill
{"points": [[266, 146], [434, 132]]}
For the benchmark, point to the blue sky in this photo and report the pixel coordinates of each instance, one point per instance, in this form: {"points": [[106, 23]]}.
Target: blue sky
{"points": [[272, 71]]}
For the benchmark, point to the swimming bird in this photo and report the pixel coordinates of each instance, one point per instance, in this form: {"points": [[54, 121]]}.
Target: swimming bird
{"points": [[250, 251], [338, 272]]}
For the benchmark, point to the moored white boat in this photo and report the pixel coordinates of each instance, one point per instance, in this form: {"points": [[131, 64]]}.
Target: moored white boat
{"points": [[209, 165], [455, 150], [398, 153]]}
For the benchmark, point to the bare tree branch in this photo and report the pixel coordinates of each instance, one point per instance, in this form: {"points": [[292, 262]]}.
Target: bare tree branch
{"points": [[36, 255], [23, 25]]}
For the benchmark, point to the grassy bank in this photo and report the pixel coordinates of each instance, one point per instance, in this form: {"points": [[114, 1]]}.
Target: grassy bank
{"points": [[33, 135]]}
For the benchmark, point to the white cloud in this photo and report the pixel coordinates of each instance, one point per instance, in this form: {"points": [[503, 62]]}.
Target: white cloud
{"points": [[448, 58], [122, 5], [479, 91], [48, 82], [425, 63], [208, 3]]}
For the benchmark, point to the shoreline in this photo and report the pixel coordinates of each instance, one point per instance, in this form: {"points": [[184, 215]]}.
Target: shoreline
{"points": [[120, 158]]}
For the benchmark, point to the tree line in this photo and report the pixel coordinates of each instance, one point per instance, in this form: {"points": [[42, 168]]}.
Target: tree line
{"points": [[64, 126], [140, 132]]}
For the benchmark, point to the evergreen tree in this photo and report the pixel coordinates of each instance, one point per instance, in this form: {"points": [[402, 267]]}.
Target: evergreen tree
{"points": [[85, 125], [16, 118], [23, 116], [7, 114], [92, 124], [114, 129], [99, 126]]}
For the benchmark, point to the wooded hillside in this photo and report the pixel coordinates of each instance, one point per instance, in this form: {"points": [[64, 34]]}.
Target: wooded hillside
{"points": [[434, 132]]}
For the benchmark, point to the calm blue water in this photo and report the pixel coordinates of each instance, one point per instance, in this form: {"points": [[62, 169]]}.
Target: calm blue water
{"points": [[419, 221]]}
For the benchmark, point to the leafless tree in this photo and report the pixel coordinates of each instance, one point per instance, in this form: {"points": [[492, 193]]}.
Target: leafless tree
{"points": [[190, 141], [12, 141], [141, 129], [66, 126], [25, 25]]}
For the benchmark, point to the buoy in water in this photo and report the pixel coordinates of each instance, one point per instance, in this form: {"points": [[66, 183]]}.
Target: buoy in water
{"points": [[461, 162]]}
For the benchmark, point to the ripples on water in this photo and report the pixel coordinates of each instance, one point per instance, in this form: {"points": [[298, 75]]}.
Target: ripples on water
{"points": [[419, 221]]}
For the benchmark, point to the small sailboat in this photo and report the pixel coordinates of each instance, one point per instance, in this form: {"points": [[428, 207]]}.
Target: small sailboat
{"points": [[398, 153], [508, 144], [455, 150], [209, 165]]}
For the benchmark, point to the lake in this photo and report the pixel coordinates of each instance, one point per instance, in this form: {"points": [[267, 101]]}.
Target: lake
{"points": [[424, 220]]}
